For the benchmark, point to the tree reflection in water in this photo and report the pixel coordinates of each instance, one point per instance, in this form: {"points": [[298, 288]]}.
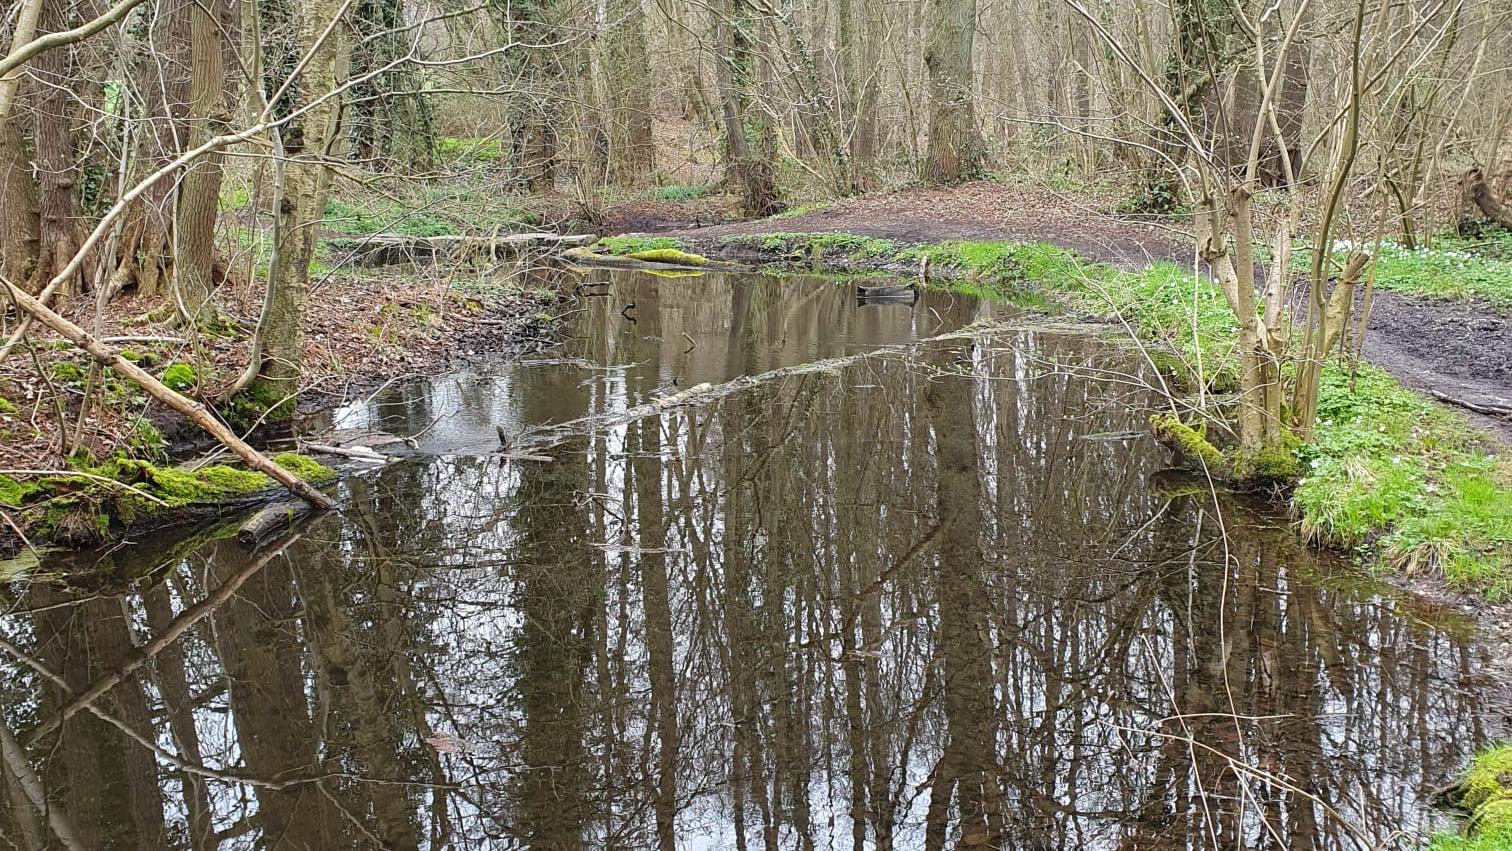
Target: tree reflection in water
{"points": [[902, 605]]}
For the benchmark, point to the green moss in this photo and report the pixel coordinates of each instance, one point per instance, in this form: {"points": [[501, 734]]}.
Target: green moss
{"points": [[1487, 796], [304, 466], [13, 493], [8, 408], [1188, 441], [68, 372], [624, 245], [669, 255], [1278, 464], [178, 487], [180, 376]]}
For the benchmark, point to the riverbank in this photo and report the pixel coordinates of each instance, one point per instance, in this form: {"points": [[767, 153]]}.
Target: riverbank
{"points": [[86, 457]]}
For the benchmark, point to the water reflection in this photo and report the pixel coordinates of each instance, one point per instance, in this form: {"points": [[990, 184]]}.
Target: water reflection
{"points": [[634, 338], [904, 604]]}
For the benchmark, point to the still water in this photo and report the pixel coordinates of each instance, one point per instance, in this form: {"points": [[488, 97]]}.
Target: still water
{"points": [[935, 596]]}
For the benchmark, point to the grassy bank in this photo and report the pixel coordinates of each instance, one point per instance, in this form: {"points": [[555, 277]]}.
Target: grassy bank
{"points": [[1392, 476], [1455, 267], [1486, 793]]}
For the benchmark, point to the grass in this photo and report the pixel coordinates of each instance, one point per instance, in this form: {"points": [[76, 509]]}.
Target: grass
{"points": [[1455, 268], [1391, 476], [1393, 473], [1487, 794], [626, 245], [385, 218]]}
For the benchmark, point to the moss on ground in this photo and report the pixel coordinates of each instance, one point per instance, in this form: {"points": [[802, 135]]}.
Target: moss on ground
{"points": [[180, 376], [1391, 475], [1486, 793]]}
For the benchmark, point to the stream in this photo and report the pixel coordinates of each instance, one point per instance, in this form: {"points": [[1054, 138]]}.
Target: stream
{"points": [[935, 594]]}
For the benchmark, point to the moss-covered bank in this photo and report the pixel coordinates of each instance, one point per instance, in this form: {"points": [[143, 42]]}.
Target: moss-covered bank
{"points": [[100, 501], [1486, 794], [1391, 476]]}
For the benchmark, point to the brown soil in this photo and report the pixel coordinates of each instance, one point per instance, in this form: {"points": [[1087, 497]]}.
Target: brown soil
{"points": [[1460, 350]]}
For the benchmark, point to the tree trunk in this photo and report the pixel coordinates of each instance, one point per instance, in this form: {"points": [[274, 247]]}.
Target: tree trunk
{"points": [[57, 183], [1479, 194], [199, 190], [955, 145], [145, 252], [632, 151], [19, 237], [307, 143], [750, 138]]}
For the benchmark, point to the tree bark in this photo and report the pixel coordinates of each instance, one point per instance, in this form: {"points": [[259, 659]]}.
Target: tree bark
{"points": [[199, 190], [955, 144], [19, 237], [1479, 194], [632, 151], [750, 138], [57, 184], [307, 144]]}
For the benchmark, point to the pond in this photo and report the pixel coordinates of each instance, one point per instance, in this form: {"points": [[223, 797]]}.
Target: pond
{"points": [[938, 593]]}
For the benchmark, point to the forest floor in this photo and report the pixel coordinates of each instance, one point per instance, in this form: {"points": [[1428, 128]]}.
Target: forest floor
{"points": [[1457, 347], [365, 327]]}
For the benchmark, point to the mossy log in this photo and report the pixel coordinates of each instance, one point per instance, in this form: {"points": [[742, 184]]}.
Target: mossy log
{"points": [[387, 249], [668, 260], [268, 520], [1271, 467]]}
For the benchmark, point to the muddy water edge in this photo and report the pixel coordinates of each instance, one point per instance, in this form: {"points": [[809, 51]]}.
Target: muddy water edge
{"points": [[933, 593]]}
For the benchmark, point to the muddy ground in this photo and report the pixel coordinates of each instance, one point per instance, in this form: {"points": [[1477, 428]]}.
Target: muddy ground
{"points": [[1458, 350]]}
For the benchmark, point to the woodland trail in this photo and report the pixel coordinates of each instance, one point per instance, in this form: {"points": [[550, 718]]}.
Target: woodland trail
{"points": [[1457, 350]]}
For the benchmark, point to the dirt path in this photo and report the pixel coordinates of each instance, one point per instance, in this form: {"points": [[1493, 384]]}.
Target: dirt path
{"points": [[1461, 349]]}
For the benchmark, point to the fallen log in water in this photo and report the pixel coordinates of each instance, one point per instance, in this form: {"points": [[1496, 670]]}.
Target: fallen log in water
{"points": [[270, 520], [387, 249]]}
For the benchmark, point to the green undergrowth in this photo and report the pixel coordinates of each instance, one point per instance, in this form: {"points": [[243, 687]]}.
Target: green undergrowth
{"points": [[1165, 304], [1486, 793], [469, 149], [1391, 475], [627, 245], [674, 192], [345, 218], [1454, 268], [80, 509]]}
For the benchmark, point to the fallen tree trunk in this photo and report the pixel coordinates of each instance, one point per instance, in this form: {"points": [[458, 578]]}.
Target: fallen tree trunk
{"points": [[270, 520], [1479, 194], [586, 257], [192, 410], [387, 249]]}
